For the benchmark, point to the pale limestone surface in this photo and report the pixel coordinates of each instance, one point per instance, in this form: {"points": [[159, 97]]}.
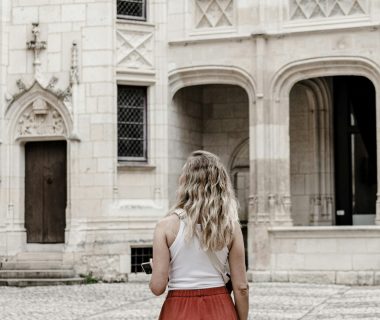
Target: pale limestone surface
{"points": [[134, 301], [237, 77]]}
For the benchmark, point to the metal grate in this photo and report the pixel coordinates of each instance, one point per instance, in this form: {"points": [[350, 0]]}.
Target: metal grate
{"points": [[138, 256], [131, 9], [131, 126]]}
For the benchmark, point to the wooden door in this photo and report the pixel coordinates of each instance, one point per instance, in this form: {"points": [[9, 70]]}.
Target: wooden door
{"points": [[45, 191]]}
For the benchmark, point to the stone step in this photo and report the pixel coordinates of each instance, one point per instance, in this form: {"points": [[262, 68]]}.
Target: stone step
{"points": [[39, 256], [34, 265], [26, 282], [40, 274]]}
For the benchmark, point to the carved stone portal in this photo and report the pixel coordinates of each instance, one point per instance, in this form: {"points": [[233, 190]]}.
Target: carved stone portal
{"points": [[40, 119]]}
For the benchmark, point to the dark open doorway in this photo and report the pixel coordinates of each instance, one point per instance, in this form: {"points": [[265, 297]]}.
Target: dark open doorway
{"points": [[354, 149]]}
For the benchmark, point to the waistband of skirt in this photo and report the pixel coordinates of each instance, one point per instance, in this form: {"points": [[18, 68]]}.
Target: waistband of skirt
{"points": [[197, 292]]}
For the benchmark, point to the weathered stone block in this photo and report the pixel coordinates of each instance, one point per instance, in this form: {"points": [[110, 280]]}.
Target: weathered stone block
{"points": [[49, 14], [259, 276], [347, 277], [24, 15], [321, 277], [73, 12], [280, 276], [99, 14], [377, 279], [366, 278]]}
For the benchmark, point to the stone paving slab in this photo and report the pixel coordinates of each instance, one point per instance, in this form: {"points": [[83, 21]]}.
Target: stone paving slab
{"points": [[133, 301]]}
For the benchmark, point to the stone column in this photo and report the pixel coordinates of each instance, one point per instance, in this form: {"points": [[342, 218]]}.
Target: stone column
{"points": [[279, 198], [258, 219]]}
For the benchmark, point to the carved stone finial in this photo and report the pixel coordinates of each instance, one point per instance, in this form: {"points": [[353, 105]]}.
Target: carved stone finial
{"points": [[21, 85], [74, 73], [52, 82], [36, 45], [8, 97]]}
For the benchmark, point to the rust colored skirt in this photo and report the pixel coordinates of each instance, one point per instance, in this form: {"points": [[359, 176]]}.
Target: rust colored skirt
{"points": [[201, 304]]}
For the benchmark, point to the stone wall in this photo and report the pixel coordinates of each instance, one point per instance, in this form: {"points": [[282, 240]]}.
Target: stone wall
{"points": [[209, 117], [301, 152], [185, 131], [340, 255]]}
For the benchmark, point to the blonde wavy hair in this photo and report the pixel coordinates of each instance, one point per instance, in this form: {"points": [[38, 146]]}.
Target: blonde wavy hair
{"points": [[206, 194]]}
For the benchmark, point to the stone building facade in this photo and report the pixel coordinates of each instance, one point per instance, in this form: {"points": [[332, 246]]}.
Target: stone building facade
{"points": [[118, 92]]}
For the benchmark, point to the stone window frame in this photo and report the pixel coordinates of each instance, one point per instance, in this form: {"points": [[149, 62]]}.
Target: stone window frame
{"points": [[142, 18], [133, 159]]}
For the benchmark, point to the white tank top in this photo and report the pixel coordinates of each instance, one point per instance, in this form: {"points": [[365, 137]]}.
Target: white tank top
{"points": [[190, 266]]}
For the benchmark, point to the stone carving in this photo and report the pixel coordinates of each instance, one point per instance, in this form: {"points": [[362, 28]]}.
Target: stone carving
{"points": [[8, 97], [321, 209], [257, 212], [314, 9], [74, 72], [21, 85], [40, 119], [213, 13], [134, 49], [52, 82], [36, 45], [40, 107]]}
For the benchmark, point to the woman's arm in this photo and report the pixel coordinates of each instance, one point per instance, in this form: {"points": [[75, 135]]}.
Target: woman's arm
{"points": [[236, 260], [161, 255]]}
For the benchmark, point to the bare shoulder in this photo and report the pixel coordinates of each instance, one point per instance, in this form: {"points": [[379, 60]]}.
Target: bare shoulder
{"points": [[168, 221], [168, 224], [169, 227]]}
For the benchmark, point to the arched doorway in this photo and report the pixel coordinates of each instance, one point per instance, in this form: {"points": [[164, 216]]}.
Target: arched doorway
{"points": [[38, 150], [332, 127], [213, 117]]}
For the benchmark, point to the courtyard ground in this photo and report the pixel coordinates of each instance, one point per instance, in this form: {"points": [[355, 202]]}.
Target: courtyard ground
{"points": [[134, 301]]}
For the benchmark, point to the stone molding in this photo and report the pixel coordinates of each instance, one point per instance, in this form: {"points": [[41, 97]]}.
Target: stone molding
{"points": [[357, 277], [40, 119], [213, 13], [134, 49], [314, 9], [38, 112], [291, 73], [321, 197], [199, 75]]}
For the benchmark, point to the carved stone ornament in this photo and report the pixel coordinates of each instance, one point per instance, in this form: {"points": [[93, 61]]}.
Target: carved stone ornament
{"points": [[134, 49], [317, 9], [36, 45], [40, 119], [213, 13]]}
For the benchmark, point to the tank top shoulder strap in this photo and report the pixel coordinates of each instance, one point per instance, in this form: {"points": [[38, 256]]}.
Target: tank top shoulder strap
{"points": [[180, 213]]}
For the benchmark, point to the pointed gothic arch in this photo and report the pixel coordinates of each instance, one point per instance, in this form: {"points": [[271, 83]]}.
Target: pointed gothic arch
{"points": [[38, 114]]}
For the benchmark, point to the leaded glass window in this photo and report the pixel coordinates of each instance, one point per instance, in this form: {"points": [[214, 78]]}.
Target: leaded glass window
{"points": [[131, 123], [131, 9]]}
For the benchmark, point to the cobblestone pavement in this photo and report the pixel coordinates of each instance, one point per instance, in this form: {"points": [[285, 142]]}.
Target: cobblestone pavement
{"points": [[134, 301]]}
